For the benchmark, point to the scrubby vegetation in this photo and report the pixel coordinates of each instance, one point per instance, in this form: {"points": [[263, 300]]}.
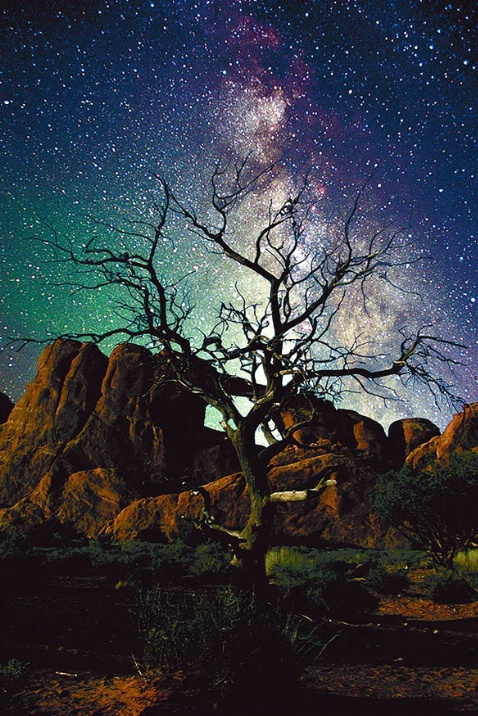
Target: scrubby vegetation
{"points": [[178, 613], [436, 507], [467, 560], [448, 587], [319, 582], [388, 579], [11, 675], [228, 639], [130, 561]]}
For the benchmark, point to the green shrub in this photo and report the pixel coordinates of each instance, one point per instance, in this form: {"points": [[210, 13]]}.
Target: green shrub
{"points": [[13, 670], [209, 558], [387, 579], [327, 588], [289, 577], [435, 508], [400, 558], [449, 587], [306, 558], [285, 557], [335, 593]]}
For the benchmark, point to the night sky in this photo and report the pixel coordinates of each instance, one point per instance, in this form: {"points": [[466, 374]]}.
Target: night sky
{"points": [[97, 97]]}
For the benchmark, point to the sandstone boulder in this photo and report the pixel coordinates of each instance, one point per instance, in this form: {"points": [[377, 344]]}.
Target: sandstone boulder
{"points": [[461, 434], [340, 515], [84, 412], [92, 433], [329, 426], [404, 436]]}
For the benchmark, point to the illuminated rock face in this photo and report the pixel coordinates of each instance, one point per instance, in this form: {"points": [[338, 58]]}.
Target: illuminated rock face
{"points": [[100, 446], [461, 434], [85, 415]]}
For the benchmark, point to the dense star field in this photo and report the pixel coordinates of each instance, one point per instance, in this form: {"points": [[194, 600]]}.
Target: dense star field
{"points": [[97, 98]]}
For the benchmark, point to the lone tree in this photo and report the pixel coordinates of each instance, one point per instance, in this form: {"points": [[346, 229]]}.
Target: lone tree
{"points": [[276, 349], [435, 508]]}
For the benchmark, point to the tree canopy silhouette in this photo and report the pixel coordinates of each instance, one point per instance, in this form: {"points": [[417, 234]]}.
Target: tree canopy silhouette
{"points": [[271, 339]]}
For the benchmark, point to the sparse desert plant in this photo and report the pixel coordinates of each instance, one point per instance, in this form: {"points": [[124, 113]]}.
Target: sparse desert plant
{"points": [[290, 568], [449, 587], [228, 638], [324, 586], [336, 593], [10, 675], [388, 579], [400, 558], [13, 670], [285, 556], [210, 558], [304, 562]]}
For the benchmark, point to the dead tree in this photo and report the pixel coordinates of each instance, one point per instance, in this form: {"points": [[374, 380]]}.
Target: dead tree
{"points": [[269, 349]]}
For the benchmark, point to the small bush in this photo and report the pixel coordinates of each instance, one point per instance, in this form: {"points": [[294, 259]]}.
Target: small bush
{"points": [[209, 558], [13, 670], [448, 587], [387, 580], [337, 594], [401, 558], [290, 578], [435, 508], [325, 588]]}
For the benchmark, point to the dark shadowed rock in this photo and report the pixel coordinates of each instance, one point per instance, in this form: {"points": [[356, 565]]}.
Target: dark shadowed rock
{"points": [[6, 407]]}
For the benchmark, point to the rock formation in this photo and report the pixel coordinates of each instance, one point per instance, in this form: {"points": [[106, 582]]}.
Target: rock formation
{"points": [[461, 434], [105, 446], [408, 434], [85, 416]]}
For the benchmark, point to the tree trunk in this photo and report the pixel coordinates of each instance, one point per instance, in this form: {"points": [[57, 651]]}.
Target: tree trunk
{"points": [[256, 535]]}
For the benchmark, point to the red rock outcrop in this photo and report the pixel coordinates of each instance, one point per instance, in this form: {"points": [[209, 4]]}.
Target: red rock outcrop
{"points": [[85, 414], [461, 434], [331, 426], [340, 515], [102, 445]]}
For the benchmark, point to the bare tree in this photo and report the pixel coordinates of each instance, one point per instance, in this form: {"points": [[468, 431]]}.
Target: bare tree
{"points": [[273, 349]]}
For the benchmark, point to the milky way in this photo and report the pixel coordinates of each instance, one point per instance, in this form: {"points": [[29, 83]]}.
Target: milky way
{"points": [[96, 100]]}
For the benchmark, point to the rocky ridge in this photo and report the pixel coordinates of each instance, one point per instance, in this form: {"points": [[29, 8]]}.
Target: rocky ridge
{"points": [[102, 446]]}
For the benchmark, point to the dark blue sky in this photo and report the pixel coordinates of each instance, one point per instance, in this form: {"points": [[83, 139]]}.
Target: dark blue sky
{"points": [[94, 100]]}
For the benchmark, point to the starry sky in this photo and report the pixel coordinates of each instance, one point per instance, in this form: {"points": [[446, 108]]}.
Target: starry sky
{"points": [[98, 97]]}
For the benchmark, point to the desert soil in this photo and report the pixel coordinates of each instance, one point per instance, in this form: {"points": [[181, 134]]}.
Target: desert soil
{"points": [[410, 656]]}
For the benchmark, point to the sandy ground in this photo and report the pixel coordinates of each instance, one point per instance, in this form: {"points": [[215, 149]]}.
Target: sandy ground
{"points": [[371, 683]]}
